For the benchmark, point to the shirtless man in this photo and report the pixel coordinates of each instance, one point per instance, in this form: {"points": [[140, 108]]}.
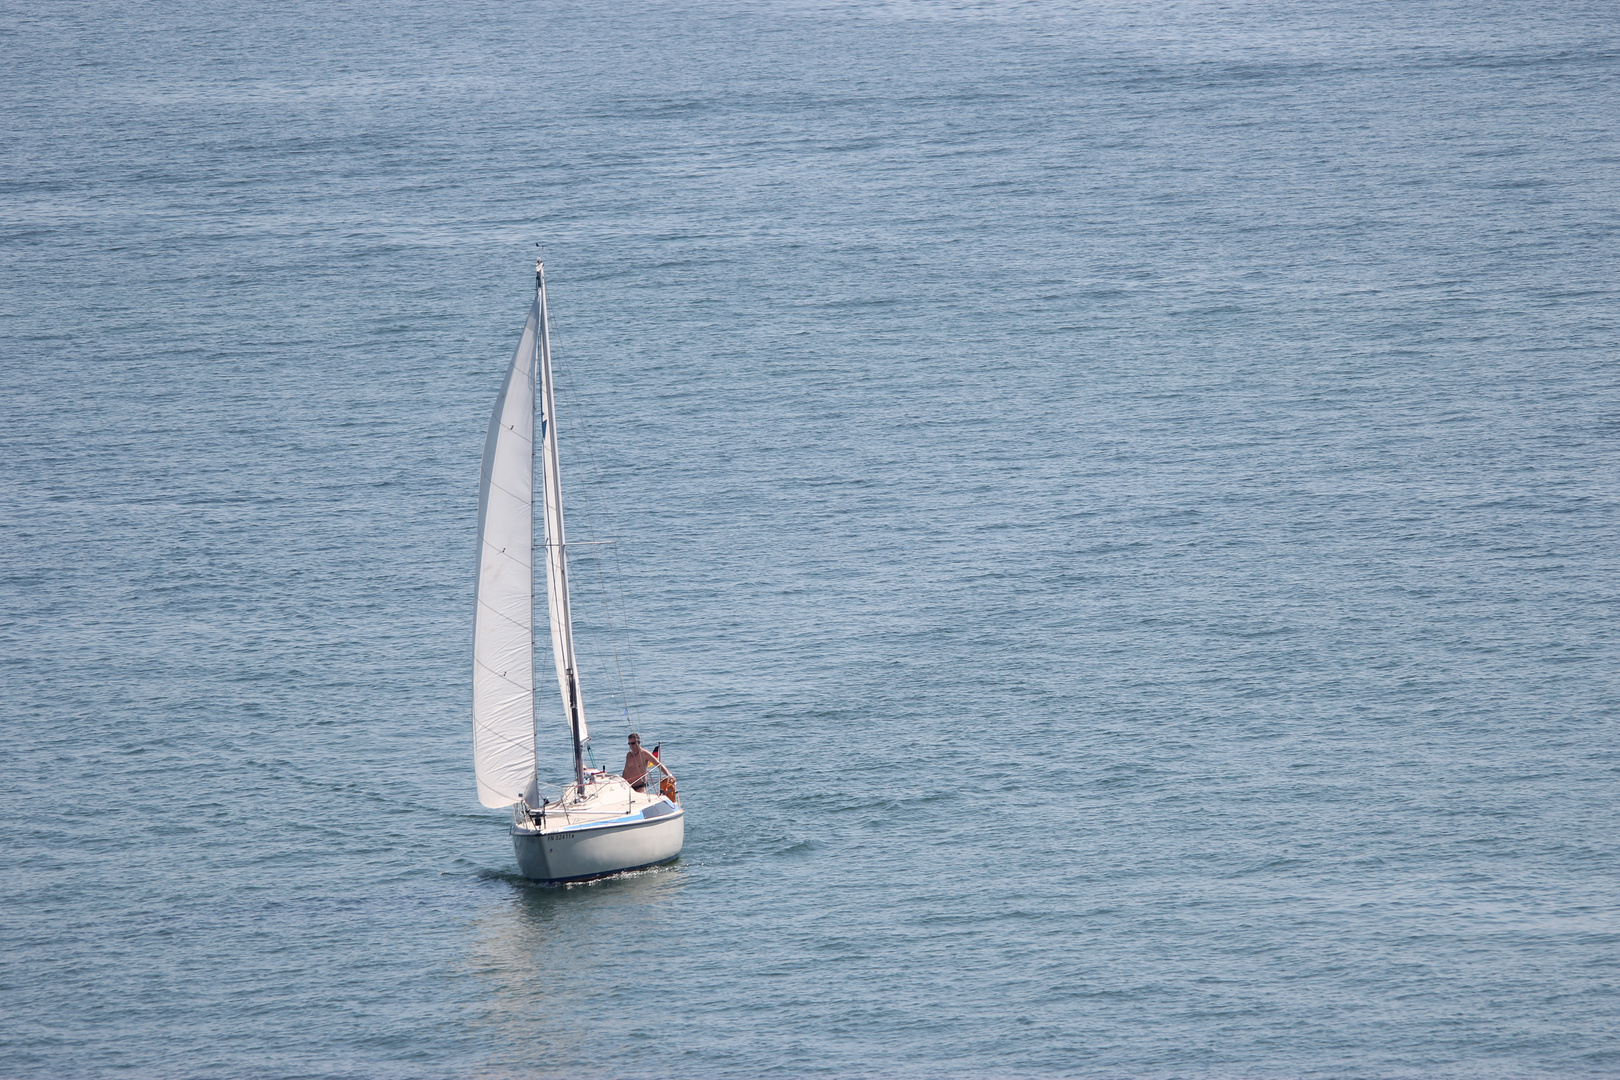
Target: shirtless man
{"points": [[636, 764]]}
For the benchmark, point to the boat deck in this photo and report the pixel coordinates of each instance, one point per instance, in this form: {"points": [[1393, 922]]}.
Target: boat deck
{"points": [[608, 800]]}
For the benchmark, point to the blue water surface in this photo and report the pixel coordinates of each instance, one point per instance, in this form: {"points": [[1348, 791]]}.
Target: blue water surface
{"points": [[1117, 518]]}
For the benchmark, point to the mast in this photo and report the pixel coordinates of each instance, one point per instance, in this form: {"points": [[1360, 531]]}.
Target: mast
{"points": [[562, 623]]}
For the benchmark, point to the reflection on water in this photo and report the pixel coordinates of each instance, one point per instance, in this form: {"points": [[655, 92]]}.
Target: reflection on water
{"points": [[556, 958]]}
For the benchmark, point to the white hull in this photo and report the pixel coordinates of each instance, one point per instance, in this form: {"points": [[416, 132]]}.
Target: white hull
{"points": [[611, 830], [591, 851]]}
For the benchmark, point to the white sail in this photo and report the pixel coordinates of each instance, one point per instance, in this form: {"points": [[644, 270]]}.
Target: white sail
{"points": [[562, 625], [503, 627]]}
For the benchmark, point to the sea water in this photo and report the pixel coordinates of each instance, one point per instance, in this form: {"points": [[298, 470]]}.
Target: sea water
{"points": [[1110, 509]]}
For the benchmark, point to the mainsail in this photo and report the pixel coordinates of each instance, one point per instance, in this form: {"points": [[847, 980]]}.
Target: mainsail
{"points": [[562, 624], [503, 627]]}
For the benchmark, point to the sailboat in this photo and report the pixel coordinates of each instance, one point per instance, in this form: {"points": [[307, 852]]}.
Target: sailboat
{"points": [[602, 824]]}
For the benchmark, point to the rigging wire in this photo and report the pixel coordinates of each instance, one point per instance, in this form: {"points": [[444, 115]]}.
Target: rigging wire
{"points": [[584, 447]]}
